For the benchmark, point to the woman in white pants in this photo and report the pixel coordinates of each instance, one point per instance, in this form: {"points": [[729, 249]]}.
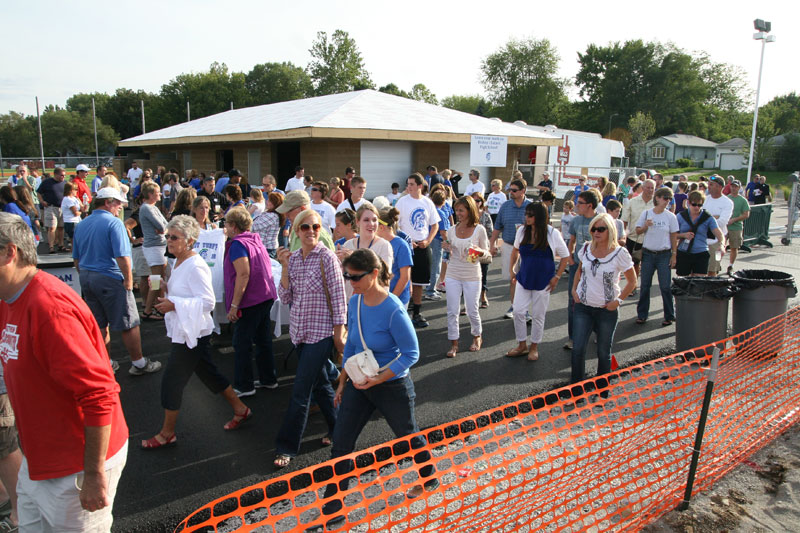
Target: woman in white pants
{"points": [[537, 243], [467, 242]]}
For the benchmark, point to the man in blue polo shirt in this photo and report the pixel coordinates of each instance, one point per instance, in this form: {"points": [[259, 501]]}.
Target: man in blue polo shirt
{"points": [[510, 217], [101, 250]]}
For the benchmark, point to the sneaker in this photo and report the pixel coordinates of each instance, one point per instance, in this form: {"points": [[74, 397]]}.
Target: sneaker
{"points": [[6, 526], [440, 287], [114, 366], [243, 394], [149, 367], [419, 322], [509, 313], [258, 385], [435, 296], [5, 509], [568, 345]]}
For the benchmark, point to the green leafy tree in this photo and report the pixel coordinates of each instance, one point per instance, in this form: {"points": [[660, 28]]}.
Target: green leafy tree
{"points": [[475, 104], [522, 83], [785, 113], [787, 156], [207, 92], [67, 132], [641, 127], [336, 65], [18, 135], [423, 94], [268, 83], [391, 88]]}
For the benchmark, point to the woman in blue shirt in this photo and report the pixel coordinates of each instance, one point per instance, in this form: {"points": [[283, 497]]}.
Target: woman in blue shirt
{"points": [[402, 254], [693, 227], [388, 332]]}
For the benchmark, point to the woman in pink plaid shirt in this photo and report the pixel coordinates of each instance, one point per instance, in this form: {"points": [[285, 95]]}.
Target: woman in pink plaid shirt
{"points": [[312, 283]]}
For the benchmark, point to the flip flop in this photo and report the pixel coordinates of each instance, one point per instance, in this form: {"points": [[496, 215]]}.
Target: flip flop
{"points": [[282, 461], [238, 420], [666, 323], [516, 352], [153, 315], [476, 344], [641, 320], [153, 443], [452, 352], [326, 441], [533, 354]]}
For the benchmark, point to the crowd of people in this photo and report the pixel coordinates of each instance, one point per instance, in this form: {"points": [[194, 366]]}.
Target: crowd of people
{"points": [[331, 257]]}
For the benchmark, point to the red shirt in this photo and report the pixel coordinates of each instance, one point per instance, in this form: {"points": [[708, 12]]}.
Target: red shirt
{"points": [[58, 377], [83, 189]]}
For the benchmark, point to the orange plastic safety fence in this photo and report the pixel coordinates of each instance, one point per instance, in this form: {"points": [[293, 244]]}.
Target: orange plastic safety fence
{"points": [[609, 454]]}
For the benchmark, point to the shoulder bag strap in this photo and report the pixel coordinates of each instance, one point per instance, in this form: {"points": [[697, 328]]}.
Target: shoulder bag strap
{"points": [[360, 333], [325, 285]]}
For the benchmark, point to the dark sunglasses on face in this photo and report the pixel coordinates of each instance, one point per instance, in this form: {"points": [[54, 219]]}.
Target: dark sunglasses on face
{"points": [[306, 227], [697, 205], [314, 189], [514, 190], [174, 237], [354, 277], [599, 229]]}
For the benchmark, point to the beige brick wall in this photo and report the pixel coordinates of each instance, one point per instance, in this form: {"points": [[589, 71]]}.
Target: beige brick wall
{"points": [[436, 154], [325, 159]]}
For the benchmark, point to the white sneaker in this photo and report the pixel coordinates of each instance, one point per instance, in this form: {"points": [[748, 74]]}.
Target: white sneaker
{"points": [[149, 367], [244, 394], [509, 313], [257, 384], [114, 366]]}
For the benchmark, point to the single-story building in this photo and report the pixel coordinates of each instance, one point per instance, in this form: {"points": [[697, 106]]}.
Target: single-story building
{"points": [[732, 154], [385, 137], [665, 151]]}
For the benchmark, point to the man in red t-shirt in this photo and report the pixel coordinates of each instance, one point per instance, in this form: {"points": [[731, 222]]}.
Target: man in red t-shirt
{"points": [[62, 390], [84, 193]]}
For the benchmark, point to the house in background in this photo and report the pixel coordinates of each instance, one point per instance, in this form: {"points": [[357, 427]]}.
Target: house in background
{"points": [[665, 151], [732, 154]]}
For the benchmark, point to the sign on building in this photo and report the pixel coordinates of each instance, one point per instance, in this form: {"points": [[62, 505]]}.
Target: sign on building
{"points": [[488, 151]]}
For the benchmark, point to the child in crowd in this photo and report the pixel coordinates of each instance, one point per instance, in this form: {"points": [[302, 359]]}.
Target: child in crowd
{"points": [[70, 209], [395, 194], [257, 204], [495, 199], [614, 209], [566, 219], [438, 196], [681, 196]]}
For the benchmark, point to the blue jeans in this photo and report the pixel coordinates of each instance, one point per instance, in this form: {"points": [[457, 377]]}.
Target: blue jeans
{"points": [[311, 380], [253, 328], [585, 320], [656, 263], [436, 264], [570, 303]]}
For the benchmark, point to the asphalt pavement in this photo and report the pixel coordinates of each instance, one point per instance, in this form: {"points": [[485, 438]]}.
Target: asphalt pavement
{"points": [[159, 488]]}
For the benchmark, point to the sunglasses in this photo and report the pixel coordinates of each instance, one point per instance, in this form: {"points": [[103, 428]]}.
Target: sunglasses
{"points": [[354, 277], [314, 189], [697, 205], [514, 190], [599, 229], [306, 227], [174, 237]]}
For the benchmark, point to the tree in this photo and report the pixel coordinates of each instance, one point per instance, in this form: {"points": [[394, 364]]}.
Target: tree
{"points": [[268, 83], [787, 156], [208, 93], [18, 135], [475, 104], [336, 65], [785, 113], [641, 127], [522, 83], [69, 132], [391, 88], [423, 94]]}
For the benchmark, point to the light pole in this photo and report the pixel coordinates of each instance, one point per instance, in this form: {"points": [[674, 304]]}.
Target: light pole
{"points": [[763, 28]]}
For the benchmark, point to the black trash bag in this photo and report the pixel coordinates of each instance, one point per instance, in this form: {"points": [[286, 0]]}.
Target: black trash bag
{"points": [[699, 286], [755, 279]]}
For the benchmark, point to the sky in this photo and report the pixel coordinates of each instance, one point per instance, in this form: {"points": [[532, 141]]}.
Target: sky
{"points": [[54, 49]]}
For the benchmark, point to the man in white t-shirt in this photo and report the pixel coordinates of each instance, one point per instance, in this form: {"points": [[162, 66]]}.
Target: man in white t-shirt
{"points": [[319, 190], [495, 199], [296, 183], [395, 194], [420, 221], [475, 184], [134, 173], [720, 207], [358, 188]]}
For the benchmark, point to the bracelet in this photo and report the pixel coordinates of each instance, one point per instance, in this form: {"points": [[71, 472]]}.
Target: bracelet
{"points": [[235, 306], [620, 300]]}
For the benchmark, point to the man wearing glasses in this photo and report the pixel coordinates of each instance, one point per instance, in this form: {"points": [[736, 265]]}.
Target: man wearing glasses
{"points": [[510, 217]]}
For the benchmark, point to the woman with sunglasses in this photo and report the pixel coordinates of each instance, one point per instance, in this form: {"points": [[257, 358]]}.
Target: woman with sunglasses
{"points": [[326, 211], [467, 242], [659, 254], [537, 243], [389, 333], [312, 284], [367, 238], [694, 224], [249, 295], [485, 221], [187, 315], [597, 294]]}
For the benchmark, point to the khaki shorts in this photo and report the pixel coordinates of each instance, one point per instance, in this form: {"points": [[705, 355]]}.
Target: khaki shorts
{"points": [[9, 440], [735, 239], [713, 264], [52, 217]]}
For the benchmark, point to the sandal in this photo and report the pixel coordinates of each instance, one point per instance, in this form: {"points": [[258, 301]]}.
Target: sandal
{"points": [[641, 320], [533, 354], [326, 441], [52, 250], [666, 323], [238, 420], [153, 443], [452, 351], [282, 461], [516, 352], [476, 344], [152, 315], [484, 305]]}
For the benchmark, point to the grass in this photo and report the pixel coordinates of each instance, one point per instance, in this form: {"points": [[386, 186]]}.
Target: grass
{"points": [[672, 171], [777, 179]]}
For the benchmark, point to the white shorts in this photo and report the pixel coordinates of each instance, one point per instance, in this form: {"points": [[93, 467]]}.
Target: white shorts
{"points": [[505, 254], [140, 266], [54, 505], [155, 255]]}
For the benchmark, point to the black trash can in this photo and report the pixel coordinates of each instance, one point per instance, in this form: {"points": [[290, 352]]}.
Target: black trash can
{"points": [[762, 294], [701, 308]]}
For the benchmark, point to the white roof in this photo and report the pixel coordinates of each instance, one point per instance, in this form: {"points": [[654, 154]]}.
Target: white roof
{"points": [[370, 112]]}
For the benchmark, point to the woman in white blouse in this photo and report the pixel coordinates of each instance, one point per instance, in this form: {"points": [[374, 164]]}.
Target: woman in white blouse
{"points": [[367, 219], [597, 294], [187, 316]]}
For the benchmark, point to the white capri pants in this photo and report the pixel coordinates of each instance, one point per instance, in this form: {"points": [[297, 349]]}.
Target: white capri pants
{"points": [[537, 302], [155, 255], [472, 293]]}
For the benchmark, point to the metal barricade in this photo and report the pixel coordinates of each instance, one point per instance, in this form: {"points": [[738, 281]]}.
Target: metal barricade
{"points": [[756, 227]]}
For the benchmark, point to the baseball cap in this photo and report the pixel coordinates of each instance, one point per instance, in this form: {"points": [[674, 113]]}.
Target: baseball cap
{"points": [[82, 168], [111, 192], [293, 200], [737, 183], [718, 180]]}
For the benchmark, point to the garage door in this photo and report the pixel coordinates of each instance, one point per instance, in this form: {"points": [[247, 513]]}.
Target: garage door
{"points": [[731, 162], [459, 162], [383, 163]]}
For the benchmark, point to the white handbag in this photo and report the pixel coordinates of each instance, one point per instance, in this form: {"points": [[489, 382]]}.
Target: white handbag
{"points": [[362, 365]]}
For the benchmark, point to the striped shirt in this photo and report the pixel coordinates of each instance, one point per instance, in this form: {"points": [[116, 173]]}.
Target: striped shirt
{"points": [[310, 320], [268, 226]]}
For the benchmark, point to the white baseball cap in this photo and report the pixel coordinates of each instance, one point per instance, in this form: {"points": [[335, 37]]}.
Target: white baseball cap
{"points": [[82, 168], [111, 192]]}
